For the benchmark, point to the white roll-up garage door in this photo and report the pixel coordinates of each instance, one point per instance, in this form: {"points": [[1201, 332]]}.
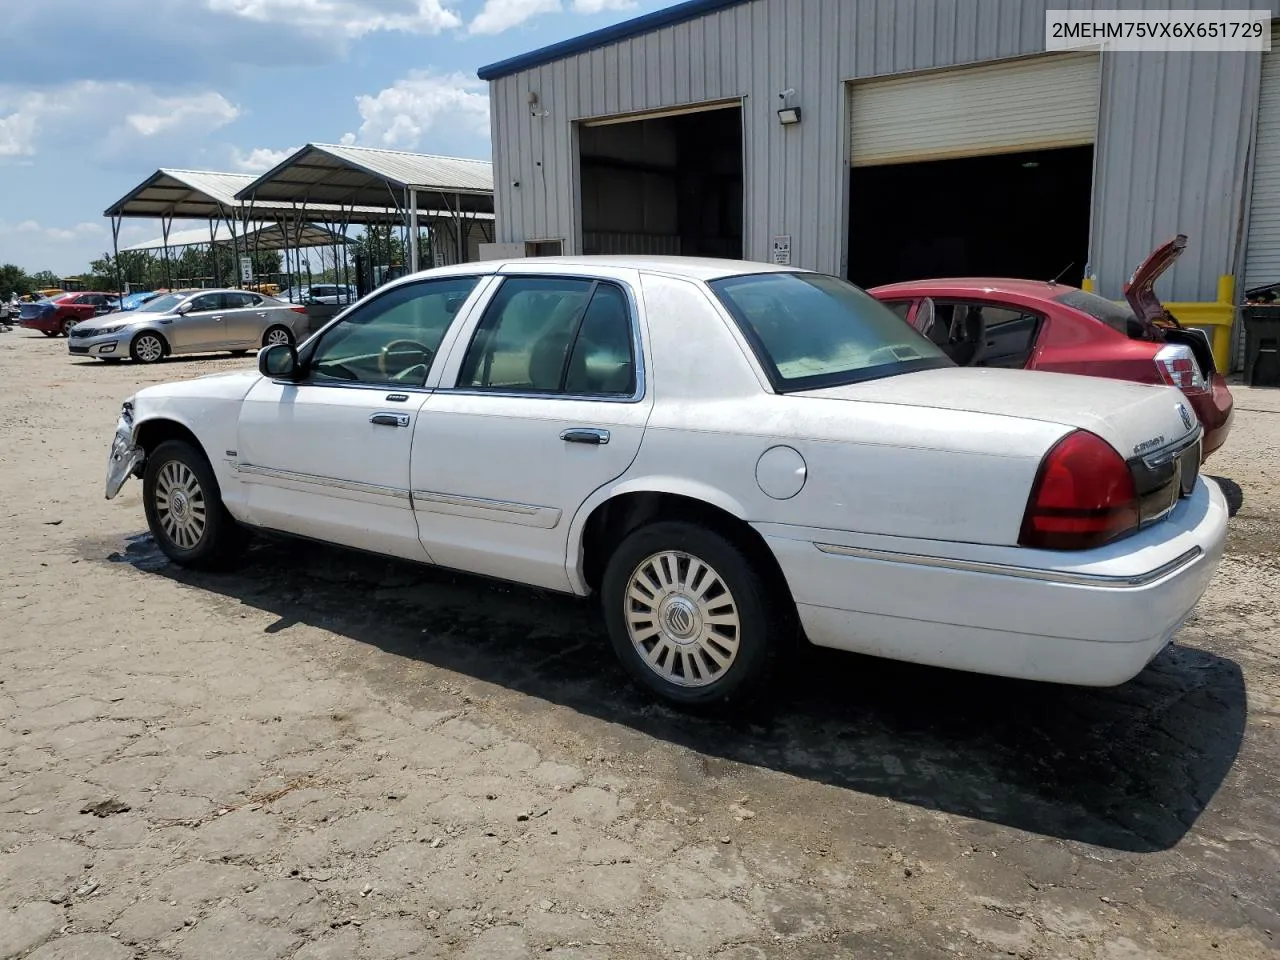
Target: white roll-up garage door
{"points": [[1035, 104], [1262, 257]]}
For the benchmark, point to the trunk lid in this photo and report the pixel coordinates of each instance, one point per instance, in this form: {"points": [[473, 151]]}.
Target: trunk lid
{"points": [[1140, 292], [1134, 418]]}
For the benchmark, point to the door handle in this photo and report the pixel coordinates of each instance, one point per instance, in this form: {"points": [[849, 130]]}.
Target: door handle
{"points": [[218, 318], [592, 435], [390, 419]]}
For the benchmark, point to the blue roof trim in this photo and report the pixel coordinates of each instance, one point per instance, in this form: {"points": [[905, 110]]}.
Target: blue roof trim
{"points": [[681, 12]]}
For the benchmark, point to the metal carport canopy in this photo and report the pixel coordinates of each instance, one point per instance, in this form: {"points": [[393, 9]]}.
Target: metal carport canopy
{"points": [[261, 236], [345, 176], [170, 194]]}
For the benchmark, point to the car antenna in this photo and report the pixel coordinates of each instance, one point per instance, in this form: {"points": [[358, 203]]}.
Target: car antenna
{"points": [[1062, 272]]}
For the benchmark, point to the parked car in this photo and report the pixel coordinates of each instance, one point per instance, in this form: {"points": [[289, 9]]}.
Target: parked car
{"points": [[330, 294], [724, 452], [1036, 325], [190, 321], [59, 314]]}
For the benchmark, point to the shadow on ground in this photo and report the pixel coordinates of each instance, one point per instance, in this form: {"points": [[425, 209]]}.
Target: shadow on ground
{"points": [[1129, 768], [1231, 490]]}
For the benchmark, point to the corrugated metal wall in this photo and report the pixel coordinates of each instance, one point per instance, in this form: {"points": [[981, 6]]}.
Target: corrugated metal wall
{"points": [[1174, 129]]}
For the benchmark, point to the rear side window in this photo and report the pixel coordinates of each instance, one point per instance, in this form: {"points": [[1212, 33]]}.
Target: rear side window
{"points": [[553, 335], [1117, 316], [811, 331]]}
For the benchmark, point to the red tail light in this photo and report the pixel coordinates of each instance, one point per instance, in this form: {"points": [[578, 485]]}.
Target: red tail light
{"points": [[1083, 496], [298, 309], [1177, 366]]}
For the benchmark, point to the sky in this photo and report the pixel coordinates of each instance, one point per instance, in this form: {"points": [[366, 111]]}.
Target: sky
{"points": [[95, 95]]}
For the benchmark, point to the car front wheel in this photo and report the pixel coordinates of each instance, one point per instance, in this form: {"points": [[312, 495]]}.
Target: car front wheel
{"points": [[184, 508], [693, 618], [147, 348]]}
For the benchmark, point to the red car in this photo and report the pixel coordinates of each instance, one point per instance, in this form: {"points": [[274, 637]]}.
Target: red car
{"points": [[60, 313], [1038, 325]]}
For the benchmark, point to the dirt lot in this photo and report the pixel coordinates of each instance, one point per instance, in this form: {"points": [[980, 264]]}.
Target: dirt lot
{"points": [[331, 756]]}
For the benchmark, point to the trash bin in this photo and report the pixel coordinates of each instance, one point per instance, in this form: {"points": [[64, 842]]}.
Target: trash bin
{"points": [[1262, 344]]}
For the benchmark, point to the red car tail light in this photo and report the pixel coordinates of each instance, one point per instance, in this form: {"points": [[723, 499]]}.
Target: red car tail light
{"points": [[298, 309], [1083, 496], [1177, 367]]}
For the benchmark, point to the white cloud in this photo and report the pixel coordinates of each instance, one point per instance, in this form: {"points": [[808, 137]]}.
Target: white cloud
{"points": [[209, 108], [599, 6], [61, 234], [404, 113], [349, 18], [259, 159], [499, 15], [108, 117]]}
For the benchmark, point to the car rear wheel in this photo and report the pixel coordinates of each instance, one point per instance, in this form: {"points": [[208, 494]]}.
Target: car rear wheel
{"points": [[693, 618], [184, 508], [275, 335], [67, 326], [147, 348], [52, 333]]}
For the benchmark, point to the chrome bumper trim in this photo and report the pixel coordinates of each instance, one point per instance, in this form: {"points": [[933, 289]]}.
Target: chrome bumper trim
{"points": [[1011, 570], [271, 473]]}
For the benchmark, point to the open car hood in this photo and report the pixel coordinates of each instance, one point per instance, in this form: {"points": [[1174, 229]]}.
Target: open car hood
{"points": [[1140, 289]]}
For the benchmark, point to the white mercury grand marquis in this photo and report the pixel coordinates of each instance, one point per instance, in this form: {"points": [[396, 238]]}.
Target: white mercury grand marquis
{"points": [[731, 455]]}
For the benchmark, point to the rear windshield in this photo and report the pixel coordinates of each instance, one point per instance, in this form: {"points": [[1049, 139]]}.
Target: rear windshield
{"points": [[1117, 316], [811, 331]]}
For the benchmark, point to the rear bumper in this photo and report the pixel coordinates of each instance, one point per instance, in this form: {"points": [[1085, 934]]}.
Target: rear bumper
{"points": [[1215, 408], [1093, 618], [43, 324]]}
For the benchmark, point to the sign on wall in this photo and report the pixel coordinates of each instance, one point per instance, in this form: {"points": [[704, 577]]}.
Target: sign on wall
{"points": [[782, 250]]}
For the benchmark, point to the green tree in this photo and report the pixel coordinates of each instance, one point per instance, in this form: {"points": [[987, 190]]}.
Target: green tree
{"points": [[45, 278], [13, 280]]}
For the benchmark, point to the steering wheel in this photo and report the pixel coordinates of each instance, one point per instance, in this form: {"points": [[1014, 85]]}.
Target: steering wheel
{"points": [[406, 346]]}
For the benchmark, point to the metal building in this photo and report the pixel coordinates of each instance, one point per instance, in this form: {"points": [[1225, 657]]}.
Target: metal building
{"points": [[892, 139]]}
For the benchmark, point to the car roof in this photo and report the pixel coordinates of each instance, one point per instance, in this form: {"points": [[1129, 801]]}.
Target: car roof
{"points": [[693, 268], [957, 286]]}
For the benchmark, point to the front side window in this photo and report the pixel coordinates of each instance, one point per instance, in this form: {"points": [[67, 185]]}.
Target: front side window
{"points": [[553, 335], [810, 330], [393, 338], [206, 302]]}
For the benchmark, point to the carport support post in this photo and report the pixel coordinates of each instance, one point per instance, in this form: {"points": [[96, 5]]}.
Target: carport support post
{"points": [[165, 224], [413, 230], [115, 255], [462, 244]]}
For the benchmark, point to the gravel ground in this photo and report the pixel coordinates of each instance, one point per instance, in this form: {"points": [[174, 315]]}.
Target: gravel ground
{"points": [[326, 755]]}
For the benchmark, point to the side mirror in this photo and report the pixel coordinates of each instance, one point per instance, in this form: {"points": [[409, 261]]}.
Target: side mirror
{"points": [[279, 362], [184, 308]]}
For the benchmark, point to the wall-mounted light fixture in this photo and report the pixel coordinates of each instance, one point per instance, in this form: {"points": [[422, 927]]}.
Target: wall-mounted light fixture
{"points": [[788, 114], [532, 99]]}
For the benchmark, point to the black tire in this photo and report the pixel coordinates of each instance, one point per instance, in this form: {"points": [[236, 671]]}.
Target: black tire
{"points": [[266, 334], [221, 538], [147, 356], [765, 615], [52, 333]]}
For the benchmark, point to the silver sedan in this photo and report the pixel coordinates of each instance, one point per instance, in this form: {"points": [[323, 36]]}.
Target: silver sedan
{"points": [[190, 321]]}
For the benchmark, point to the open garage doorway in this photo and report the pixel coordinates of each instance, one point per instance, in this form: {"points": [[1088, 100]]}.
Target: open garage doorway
{"points": [[1008, 215], [668, 184]]}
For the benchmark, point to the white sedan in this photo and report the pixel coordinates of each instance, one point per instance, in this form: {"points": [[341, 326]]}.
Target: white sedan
{"points": [[730, 455]]}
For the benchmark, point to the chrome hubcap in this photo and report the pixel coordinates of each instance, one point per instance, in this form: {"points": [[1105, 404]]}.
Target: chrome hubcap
{"points": [[180, 504], [149, 349], [682, 619], [277, 336]]}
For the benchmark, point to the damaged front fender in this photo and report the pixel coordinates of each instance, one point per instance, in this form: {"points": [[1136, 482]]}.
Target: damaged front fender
{"points": [[125, 458]]}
